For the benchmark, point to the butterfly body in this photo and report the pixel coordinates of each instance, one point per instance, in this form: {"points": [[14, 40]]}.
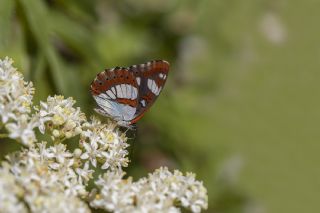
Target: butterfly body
{"points": [[126, 93]]}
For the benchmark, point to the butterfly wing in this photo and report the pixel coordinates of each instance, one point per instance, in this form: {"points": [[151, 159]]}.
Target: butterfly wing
{"points": [[125, 94], [150, 78], [116, 91]]}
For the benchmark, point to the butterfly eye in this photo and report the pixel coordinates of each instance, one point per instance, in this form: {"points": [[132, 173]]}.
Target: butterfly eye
{"points": [[100, 83]]}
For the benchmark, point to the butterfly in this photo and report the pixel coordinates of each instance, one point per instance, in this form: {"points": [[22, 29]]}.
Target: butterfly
{"points": [[126, 93]]}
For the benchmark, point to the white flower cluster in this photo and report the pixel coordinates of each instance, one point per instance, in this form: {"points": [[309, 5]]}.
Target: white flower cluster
{"points": [[49, 177], [10, 192], [15, 104], [44, 179], [160, 192], [60, 117], [103, 144]]}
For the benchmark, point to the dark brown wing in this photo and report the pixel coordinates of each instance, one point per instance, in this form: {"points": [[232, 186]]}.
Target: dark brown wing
{"points": [[150, 78]]}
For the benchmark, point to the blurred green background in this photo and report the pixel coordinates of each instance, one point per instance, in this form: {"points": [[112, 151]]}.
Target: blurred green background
{"points": [[241, 107]]}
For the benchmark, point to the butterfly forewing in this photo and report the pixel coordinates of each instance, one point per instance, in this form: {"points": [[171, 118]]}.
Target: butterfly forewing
{"points": [[150, 77]]}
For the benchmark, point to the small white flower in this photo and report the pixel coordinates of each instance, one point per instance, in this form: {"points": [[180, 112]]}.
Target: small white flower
{"points": [[90, 152], [84, 174], [23, 129], [60, 153]]}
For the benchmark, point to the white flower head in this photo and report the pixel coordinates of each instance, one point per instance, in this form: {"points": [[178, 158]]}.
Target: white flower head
{"points": [[101, 143], [46, 174], [15, 94], [162, 191], [10, 192], [57, 202], [60, 117], [22, 129], [116, 193], [15, 103]]}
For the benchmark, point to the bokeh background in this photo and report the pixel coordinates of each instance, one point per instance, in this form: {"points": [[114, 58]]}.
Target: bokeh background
{"points": [[241, 106]]}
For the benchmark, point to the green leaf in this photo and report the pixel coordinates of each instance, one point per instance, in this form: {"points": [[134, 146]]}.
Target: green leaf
{"points": [[6, 14], [37, 15], [73, 34]]}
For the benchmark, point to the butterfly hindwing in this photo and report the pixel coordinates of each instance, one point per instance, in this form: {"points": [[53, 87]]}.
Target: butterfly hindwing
{"points": [[115, 91]]}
